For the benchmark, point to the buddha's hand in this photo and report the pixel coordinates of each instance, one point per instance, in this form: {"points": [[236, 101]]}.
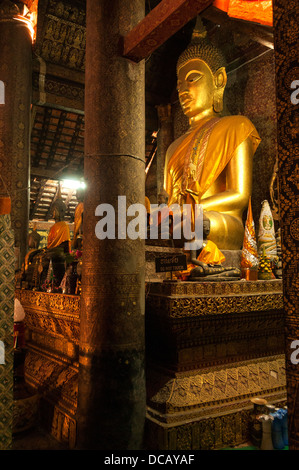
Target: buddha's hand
{"points": [[193, 189], [192, 192], [182, 198]]}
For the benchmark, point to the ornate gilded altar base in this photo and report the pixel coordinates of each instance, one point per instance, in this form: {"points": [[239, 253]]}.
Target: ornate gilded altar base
{"points": [[51, 365], [211, 347]]}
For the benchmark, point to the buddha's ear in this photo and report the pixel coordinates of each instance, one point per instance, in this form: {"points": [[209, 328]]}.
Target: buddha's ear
{"points": [[220, 79]]}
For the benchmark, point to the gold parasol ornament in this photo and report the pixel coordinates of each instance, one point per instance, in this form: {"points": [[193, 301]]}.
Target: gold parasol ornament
{"points": [[249, 256]]}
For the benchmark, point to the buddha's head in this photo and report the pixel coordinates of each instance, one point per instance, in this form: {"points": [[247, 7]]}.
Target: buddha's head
{"points": [[201, 76], [34, 238], [80, 194], [58, 210]]}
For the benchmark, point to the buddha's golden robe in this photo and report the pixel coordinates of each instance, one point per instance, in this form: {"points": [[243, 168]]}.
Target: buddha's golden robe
{"points": [[58, 234], [203, 155]]}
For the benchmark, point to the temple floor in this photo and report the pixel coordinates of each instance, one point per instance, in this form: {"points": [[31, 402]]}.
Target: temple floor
{"points": [[36, 439]]}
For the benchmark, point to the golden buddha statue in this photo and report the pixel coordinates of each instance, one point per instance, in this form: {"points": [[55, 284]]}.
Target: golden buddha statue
{"points": [[211, 164]]}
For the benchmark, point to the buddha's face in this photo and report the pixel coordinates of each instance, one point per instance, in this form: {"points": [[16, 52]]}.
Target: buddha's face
{"points": [[196, 88], [56, 214]]}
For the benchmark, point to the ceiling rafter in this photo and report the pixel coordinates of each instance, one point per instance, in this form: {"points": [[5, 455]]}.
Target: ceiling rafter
{"points": [[42, 137], [56, 138], [162, 22], [74, 139], [259, 33]]}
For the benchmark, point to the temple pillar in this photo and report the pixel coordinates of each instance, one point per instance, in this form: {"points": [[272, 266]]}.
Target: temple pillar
{"points": [[287, 92], [111, 388], [15, 79], [7, 294], [164, 139]]}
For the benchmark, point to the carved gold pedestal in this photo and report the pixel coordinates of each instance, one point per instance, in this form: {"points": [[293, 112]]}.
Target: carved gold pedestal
{"points": [[211, 347], [51, 365]]}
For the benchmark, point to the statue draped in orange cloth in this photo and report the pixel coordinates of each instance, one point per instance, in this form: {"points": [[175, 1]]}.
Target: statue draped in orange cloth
{"points": [[78, 219], [59, 245], [59, 233]]}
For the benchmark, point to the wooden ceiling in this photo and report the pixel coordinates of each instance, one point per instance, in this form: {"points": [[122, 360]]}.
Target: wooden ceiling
{"points": [[57, 141], [57, 129], [57, 149], [57, 154]]}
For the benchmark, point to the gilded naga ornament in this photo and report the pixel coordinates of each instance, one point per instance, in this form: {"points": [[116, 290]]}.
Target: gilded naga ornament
{"points": [[266, 234]]}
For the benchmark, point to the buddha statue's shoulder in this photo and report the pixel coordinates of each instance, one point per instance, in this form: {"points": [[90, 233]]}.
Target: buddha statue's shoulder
{"points": [[177, 142], [224, 124], [233, 123], [173, 147], [236, 127], [59, 224], [58, 227]]}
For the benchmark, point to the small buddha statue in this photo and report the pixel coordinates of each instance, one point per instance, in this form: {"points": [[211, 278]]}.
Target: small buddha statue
{"points": [[34, 238], [211, 164], [58, 246], [33, 242], [206, 263]]}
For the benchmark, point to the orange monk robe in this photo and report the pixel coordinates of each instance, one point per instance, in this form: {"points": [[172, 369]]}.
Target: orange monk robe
{"points": [[78, 220], [147, 205], [210, 254], [58, 234], [226, 135]]}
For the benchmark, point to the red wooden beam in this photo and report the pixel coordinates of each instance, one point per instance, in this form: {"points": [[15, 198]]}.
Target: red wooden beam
{"points": [[160, 24]]}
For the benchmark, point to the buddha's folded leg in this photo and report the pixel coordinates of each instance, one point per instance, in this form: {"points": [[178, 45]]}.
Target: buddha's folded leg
{"points": [[226, 230], [212, 272]]}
